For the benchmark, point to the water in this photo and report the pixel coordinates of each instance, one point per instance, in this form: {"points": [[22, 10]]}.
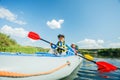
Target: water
{"points": [[88, 71]]}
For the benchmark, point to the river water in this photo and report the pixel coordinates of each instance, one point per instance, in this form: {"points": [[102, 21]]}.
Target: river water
{"points": [[88, 71]]}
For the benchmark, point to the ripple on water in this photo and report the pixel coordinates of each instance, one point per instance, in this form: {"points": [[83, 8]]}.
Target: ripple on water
{"points": [[88, 71]]}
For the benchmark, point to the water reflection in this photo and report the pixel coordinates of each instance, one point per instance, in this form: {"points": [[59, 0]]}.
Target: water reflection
{"points": [[89, 72]]}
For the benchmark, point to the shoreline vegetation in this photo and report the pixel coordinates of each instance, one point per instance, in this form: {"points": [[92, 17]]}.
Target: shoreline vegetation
{"points": [[102, 53], [23, 49], [9, 45]]}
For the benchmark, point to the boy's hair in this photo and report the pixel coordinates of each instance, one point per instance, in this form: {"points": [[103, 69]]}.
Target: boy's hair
{"points": [[60, 35]]}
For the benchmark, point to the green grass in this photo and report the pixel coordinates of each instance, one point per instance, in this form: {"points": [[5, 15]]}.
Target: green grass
{"points": [[29, 50], [10, 45]]}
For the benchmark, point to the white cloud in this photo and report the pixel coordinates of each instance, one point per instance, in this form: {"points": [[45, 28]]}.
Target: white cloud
{"points": [[8, 15], [100, 41], [55, 24], [91, 43], [114, 45], [18, 32]]}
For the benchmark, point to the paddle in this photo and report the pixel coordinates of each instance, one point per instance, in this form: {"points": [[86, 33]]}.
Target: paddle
{"points": [[102, 66], [35, 36]]}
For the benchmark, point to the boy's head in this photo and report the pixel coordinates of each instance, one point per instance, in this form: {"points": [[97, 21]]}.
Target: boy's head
{"points": [[61, 37]]}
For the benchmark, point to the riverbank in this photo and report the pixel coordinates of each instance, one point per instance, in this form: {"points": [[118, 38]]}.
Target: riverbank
{"points": [[102, 53], [23, 49], [7, 44]]}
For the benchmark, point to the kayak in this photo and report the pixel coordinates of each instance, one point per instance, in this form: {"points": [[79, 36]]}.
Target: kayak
{"points": [[39, 66]]}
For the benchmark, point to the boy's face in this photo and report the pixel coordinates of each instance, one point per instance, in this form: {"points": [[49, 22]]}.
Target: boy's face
{"points": [[61, 39], [73, 46]]}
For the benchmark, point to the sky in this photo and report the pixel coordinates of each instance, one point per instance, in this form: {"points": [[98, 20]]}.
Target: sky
{"points": [[87, 23]]}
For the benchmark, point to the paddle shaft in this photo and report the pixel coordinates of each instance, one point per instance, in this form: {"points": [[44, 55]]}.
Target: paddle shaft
{"points": [[45, 41], [118, 68], [50, 43], [87, 59]]}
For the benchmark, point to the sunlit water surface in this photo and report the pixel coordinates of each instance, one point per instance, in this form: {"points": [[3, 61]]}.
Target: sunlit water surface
{"points": [[88, 71]]}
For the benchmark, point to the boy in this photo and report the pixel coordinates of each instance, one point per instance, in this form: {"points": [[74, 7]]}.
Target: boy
{"points": [[62, 48]]}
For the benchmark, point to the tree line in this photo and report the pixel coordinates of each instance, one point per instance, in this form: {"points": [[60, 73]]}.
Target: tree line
{"points": [[10, 45], [107, 52]]}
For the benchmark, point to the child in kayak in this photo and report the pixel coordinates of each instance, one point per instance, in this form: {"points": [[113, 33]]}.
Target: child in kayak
{"points": [[75, 49], [62, 47]]}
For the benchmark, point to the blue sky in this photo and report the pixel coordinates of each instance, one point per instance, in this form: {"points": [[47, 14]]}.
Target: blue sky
{"points": [[87, 23]]}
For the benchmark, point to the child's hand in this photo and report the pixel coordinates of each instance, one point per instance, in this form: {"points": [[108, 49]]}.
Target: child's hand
{"points": [[51, 44]]}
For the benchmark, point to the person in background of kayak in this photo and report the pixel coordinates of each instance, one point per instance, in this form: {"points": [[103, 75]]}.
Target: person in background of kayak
{"points": [[75, 48], [62, 47]]}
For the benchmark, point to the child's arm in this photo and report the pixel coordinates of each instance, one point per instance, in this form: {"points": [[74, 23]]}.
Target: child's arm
{"points": [[53, 46]]}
